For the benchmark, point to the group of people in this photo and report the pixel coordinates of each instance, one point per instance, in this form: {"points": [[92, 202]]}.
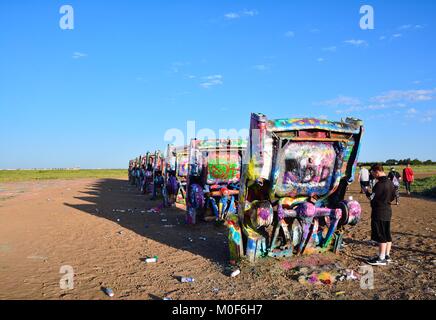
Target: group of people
{"points": [[368, 180], [143, 178], [382, 189]]}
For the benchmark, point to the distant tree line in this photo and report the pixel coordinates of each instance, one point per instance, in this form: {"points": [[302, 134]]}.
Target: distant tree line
{"points": [[401, 162]]}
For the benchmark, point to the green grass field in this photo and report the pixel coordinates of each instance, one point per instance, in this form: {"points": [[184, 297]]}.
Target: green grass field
{"points": [[29, 175], [425, 186]]}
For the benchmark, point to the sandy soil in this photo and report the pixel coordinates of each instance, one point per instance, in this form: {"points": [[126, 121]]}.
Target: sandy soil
{"points": [[45, 225]]}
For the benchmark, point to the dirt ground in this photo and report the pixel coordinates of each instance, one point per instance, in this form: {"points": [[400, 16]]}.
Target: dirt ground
{"points": [[81, 223]]}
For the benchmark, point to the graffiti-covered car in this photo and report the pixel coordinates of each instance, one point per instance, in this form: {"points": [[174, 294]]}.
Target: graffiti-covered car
{"points": [[213, 177], [176, 174], [294, 179], [156, 162]]}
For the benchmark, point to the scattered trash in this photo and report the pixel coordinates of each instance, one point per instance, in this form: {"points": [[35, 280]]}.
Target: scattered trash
{"points": [[169, 226], [186, 279], [118, 220], [340, 293], [167, 299], [120, 232], [324, 278], [164, 220], [191, 240], [151, 260], [96, 210], [216, 290], [351, 275], [202, 238], [109, 292], [235, 273]]}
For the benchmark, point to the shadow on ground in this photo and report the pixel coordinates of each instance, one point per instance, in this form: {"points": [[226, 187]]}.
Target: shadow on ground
{"points": [[108, 198]]}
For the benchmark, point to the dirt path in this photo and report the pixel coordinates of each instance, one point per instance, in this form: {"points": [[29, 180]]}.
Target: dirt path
{"points": [[46, 225]]}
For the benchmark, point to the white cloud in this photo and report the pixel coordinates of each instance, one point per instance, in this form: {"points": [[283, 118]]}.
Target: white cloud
{"points": [[357, 43], [405, 95], [243, 13], [320, 59], [382, 38], [250, 13], [397, 35], [411, 111], [330, 49], [314, 30], [231, 15], [340, 101], [213, 80], [261, 67], [290, 34], [405, 27], [78, 55]]}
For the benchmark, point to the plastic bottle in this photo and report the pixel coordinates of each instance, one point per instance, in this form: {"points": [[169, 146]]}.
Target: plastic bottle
{"points": [[185, 279], [235, 273], [151, 260]]}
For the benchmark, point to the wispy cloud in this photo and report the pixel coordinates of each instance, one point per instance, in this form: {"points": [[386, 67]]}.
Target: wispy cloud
{"points": [[320, 60], [240, 14], [290, 34], [210, 81], [232, 15], [405, 96], [250, 13], [410, 27], [405, 27], [357, 43], [176, 66], [341, 100], [79, 55], [330, 49], [261, 67]]}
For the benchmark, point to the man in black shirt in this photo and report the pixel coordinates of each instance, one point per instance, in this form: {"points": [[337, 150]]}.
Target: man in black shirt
{"points": [[381, 197]]}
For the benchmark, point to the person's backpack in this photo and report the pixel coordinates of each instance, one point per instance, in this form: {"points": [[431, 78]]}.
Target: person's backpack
{"points": [[395, 181]]}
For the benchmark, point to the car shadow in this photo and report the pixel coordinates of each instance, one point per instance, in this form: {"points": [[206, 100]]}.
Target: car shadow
{"points": [[121, 203]]}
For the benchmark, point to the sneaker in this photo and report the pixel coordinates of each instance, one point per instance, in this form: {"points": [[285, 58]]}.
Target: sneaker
{"points": [[377, 262], [388, 259]]}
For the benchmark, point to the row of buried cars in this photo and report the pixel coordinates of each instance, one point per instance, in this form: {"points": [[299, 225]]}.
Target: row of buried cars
{"points": [[282, 192]]}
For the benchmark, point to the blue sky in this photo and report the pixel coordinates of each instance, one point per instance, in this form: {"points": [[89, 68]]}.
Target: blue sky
{"points": [[109, 89]]}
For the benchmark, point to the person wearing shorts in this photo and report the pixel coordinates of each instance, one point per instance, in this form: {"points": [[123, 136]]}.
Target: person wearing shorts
{"points": [[363, 178], [381, 197]]}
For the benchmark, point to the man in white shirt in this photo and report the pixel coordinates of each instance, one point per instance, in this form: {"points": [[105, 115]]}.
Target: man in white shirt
{"points": [[363, 179]]}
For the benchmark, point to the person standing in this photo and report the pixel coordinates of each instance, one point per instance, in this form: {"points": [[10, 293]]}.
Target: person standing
{"points": [[395, 177], [381, 197], [408, 178], [363, 178]]}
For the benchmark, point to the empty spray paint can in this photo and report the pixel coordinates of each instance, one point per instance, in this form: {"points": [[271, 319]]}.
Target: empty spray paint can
{"points": [[186, 279], [109, 292]]}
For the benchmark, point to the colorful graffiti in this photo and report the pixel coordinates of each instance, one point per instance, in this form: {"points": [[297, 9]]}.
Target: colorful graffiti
{"points": [[304, 168], [223, 168], [293, 184]]}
